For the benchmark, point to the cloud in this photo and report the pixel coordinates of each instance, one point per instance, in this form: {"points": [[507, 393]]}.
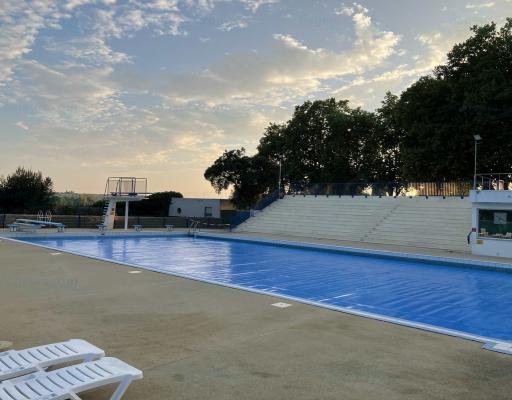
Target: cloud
{"points": [[239, 23], [19, 27], [254, 5], [90, 50], [290, 68], [434, 48], [22, 125], [161, 18], [351, 10], [206, 6], [21, 22], [470, 6], [77, 97]]}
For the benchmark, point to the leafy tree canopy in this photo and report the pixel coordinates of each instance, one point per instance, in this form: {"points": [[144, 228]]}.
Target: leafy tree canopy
{"points": [[26, 191], [249, 177], [471, 94], [324, 141], [156, 205]]}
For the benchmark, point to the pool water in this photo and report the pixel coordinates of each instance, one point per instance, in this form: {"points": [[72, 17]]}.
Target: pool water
{"points": [[470, 300]]}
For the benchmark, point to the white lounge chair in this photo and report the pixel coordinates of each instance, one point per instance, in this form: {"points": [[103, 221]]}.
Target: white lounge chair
{"points": [[15, 363], [66, 383]]}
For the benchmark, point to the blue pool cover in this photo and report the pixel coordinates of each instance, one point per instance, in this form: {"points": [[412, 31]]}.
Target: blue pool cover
{"points": [[470, 300]]}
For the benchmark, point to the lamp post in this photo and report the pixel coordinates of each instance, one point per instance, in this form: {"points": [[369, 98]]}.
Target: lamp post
{"points": [[477, 138], [279, 181]]}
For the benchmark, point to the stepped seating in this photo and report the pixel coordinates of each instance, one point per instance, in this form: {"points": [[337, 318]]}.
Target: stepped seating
{"points": [[433, 223]]}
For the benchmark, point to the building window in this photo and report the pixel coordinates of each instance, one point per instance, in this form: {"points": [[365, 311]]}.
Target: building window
{"points": [[208, 211], [495, 224]]}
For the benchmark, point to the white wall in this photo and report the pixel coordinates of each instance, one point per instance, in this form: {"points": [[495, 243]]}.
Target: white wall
{"points": [[490, 200], [193, 207]]}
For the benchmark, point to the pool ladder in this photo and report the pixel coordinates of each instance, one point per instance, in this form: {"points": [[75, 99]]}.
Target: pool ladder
{"points": [[194, 227]]}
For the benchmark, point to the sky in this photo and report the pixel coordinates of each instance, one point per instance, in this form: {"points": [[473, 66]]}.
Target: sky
{"points": [[160, 88]]}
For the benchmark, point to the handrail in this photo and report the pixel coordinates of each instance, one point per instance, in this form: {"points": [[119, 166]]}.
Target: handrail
{"points": [[194, 227], [494, 181], [395, 188], [126, 186]]}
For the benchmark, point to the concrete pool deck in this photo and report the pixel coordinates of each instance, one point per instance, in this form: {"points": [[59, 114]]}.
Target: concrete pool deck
{"points": [[199, 341]]}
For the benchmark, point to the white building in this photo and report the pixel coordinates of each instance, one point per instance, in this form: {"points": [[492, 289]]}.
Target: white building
{"points": [[492, 222], [198, 208]]}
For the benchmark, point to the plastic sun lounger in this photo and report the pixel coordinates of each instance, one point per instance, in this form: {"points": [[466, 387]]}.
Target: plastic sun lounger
{"points": [[66, 383], [14, 363]]}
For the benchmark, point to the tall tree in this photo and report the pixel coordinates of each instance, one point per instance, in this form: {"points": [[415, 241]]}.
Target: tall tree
{"points": [[26, 191], [249, 177], [471, 94], [390, 140]]}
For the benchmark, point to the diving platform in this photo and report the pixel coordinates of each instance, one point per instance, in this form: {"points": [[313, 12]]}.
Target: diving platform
{"points": [[122, 189]]}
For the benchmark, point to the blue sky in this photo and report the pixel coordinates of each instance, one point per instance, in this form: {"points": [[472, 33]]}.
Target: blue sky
{"points": [[159, 88]]}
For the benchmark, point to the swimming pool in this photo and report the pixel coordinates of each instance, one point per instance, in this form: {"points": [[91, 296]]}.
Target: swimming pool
{"points": [[469, 300]]}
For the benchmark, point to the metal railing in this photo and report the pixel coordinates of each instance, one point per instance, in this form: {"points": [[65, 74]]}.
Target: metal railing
{"points": [[244, 215], [194, 227], [87, 221], [494, 181], [126, 186], [266, 201], [400, 188], [238, 218]]}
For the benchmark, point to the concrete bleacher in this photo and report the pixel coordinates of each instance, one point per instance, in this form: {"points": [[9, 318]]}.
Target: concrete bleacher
{"points": [[431, 222]]}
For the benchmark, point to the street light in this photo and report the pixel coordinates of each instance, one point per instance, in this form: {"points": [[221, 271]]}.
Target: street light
{"points": [[477, 138], [279, 181]]}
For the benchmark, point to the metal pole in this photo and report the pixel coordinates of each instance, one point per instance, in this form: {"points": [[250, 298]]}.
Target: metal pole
{"points": [[126, 207], [474, 175], [279, 182]]}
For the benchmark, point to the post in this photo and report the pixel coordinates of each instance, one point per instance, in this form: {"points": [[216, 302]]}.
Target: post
{"points": [[477, 139], [279, 182], [126, 207], [474, 174]]}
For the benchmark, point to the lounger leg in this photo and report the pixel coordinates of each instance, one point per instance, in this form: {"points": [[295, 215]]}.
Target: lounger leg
{"points": [[121, 389]]}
